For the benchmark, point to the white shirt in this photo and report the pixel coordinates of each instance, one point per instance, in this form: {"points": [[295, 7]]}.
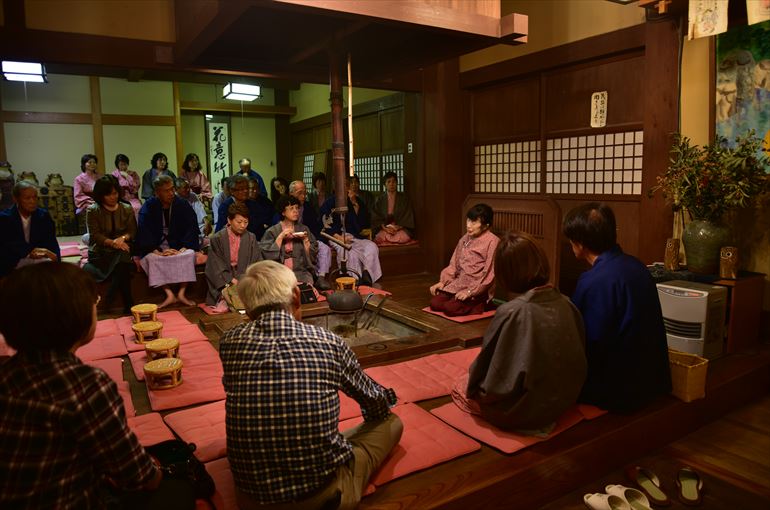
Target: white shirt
{"points": [[26, 226]]}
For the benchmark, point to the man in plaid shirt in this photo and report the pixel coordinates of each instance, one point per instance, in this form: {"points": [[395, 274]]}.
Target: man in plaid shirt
{"points": [[282, 379]]}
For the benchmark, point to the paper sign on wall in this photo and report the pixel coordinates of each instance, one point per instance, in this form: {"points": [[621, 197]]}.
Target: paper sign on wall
{"points": [[599, 109]]}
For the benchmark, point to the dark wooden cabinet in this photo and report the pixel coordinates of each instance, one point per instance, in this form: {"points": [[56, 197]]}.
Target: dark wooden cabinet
{"points": [[744, 308]]}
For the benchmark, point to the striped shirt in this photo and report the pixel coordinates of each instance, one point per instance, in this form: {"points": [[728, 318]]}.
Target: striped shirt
{"points": [[62, 431], [282, 377]]}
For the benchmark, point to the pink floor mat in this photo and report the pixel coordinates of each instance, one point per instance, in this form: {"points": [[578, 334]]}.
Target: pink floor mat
{"points": [[107, 327], [150, 429], [426, 442], [102, 347], [199, 385], [168, 318], [112, 366], [204, 426], [185, 333], [125, 392], [210, 309], [509, 442], [461, 318], [193, 355], [224, 498]]}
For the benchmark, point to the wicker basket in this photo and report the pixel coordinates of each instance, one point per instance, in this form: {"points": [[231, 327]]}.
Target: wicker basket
{"points": [[688, 375]]}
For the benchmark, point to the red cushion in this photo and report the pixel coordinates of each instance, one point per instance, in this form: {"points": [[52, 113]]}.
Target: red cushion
{"points": [[461, 318], [193, 355], [169, 318], [185, 333], [125, 392], [102, 347], [199, 384], [204, 426], [150, 429], [112, 366], [107, 327], [224, 498]]}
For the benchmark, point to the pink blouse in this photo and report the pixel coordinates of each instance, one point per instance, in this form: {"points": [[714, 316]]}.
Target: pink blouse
{"points": [[472, 266], [198, 183], [83, 187], [235, 247]]}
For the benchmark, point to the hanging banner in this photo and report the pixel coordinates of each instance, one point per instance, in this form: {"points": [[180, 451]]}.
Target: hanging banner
{"points": [[706, 17], [758, 11], [218, 142], [599, 109]]}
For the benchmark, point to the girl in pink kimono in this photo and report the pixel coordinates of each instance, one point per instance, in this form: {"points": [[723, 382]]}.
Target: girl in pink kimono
{"points": [[83, 187], [199, 183], [129, 183], [466, 285]]}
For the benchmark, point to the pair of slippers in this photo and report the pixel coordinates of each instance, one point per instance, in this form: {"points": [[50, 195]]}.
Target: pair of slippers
{"points": [[688, 482], [617, 497]]}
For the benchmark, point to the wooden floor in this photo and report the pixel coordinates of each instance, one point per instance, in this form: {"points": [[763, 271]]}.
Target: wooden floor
{"points": [[733, 452]]}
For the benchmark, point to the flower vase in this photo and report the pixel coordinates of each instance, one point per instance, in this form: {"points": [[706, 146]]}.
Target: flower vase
{"points": [[702, 241]]}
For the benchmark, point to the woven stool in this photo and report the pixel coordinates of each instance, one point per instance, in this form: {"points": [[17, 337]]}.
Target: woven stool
{"points": [[162, 348], [147, 330], [146, 311], [163, 373], [346, 282]]}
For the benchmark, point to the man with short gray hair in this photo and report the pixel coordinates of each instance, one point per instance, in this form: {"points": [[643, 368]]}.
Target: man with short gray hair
{"points": [[282, 379], [245, 169]]}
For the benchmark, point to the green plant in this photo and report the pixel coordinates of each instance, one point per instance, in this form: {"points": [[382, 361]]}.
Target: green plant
{"points": [[711, 180]]}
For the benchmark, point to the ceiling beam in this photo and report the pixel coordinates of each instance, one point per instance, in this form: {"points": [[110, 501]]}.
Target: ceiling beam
{"points": [[326, 43], [201, 22]]}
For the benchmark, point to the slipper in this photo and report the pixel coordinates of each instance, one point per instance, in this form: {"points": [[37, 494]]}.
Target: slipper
{"points": [[690, 486], [635, 499], [605, 502], [649, 483]]}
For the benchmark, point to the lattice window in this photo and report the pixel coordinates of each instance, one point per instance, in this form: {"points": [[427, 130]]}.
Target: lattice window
{"points": [[609, 164], [370, 170], [307, 170], [507, 167]]}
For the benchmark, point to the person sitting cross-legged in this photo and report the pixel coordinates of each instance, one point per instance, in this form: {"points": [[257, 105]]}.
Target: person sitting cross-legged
{"points": [[167, 239], [282, 379], [392, 214]]}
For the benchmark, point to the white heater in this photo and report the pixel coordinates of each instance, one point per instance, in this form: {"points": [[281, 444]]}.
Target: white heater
{"points": [[694, 316]]}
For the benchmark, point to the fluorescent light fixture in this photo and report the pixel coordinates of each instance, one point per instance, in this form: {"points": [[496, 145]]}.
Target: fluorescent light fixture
{"points": [[209, 116], [241, 92], [24, 71]]}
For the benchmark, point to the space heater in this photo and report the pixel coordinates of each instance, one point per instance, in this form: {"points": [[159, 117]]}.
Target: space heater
{"points": [[694, 316]]}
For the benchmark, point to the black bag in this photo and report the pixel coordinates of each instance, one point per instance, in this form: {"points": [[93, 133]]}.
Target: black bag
{"points": [[306, 294], [178, 462]]}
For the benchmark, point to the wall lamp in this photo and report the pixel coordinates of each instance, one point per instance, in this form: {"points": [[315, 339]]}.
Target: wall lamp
{"points": [[241, 92]]}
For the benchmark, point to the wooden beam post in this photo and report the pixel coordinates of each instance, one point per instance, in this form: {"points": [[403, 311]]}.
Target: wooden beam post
{"points": [[338, 143], [96, 119], [178, 127], [3, 154]]}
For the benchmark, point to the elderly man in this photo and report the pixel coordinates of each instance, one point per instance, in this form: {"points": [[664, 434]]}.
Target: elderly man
{"points": [[27, 232], [183, 190], [167, 239], [282, 379], [309, 217], [625, 338], [245, 165]]}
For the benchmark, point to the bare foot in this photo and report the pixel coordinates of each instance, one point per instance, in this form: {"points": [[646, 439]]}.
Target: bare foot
{"points": [[183, 299], [170, 300]]}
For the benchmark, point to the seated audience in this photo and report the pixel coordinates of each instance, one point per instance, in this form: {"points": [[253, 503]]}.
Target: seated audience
{"points": [[192, 171], [129, 183], [282, 379], [231, 251], [167, 239], [466, 285], [291, 243], [310, 218], [392, 216], [532, 363], [278, 188], [245, 169], [112, 229], [363, 195], [159, 166], [364, 256], [65, 440], [83, 187], [318, 196], [626, 342], [260, 210], [183, 190], [27, 232], [220, 197]]}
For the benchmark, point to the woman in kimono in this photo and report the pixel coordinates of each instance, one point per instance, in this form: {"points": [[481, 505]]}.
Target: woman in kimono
{"points": [[129, 183], [392, 215], [159, 166], [112, 228], [532, 363], [199, 183], [290, 242], [83, 186], [231, 251]]}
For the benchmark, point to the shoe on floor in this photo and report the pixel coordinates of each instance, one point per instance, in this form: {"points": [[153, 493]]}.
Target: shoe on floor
{"points": [[605, 502], [649, 483], [690, 486], [635, 499]]}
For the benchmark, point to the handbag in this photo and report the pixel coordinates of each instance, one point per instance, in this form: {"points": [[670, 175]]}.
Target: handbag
{"points": [[178, 462], [306, 293]]}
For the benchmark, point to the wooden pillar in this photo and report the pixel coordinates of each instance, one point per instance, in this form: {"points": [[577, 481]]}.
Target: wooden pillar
{"points": [[338, 142], [178, 128], [283, 159], [96, 121]]}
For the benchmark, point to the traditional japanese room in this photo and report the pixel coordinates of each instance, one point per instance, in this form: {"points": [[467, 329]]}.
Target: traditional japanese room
{"points": [[390, 153]]}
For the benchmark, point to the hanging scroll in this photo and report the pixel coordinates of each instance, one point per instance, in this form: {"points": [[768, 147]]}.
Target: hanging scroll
{"points": [[218, 143]]}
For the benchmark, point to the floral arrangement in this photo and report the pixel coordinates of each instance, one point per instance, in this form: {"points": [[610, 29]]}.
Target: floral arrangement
{"points": [[711, 180]]}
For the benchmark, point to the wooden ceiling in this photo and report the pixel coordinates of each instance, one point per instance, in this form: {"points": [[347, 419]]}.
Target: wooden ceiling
{"points": [[280, 43]]}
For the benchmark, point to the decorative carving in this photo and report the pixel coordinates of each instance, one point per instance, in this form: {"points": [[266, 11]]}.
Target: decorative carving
{"points": [[671, 258], [728, 262]]}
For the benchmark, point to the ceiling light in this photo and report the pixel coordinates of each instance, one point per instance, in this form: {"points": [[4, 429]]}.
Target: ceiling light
{"points": [[241, 92], [24, 71]]}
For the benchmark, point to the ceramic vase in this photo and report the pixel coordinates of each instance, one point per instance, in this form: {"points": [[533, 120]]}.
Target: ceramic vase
{"points": [[702, 241]]}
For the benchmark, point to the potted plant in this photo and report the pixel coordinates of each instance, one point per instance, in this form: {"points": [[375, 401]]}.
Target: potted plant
{"points": [[708, 182]]}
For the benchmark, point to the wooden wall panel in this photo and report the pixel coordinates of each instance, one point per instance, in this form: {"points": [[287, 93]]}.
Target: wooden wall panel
{"points": [[507, 111], [322, 137], [568, 94], [366, 136], [302, 142], [392, 130]]}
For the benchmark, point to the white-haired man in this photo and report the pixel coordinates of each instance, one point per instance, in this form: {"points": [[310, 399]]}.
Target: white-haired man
{"points": [[282, 379], [245, 168]]}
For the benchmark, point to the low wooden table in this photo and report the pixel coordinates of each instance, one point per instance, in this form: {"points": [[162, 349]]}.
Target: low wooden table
{"points": [[143, 330], [163, 373], [162, 348], [146, 311]]}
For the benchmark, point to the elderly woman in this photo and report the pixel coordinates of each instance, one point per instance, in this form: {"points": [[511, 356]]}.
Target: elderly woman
{"points": [[278, 188], [392, 215], [167, 239], [112, 228], [532, 363], [466, 284], [232, 250], [128, 181], [191, 170], [159, 166], [290, 242], [83, 187], [66, 443]]}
